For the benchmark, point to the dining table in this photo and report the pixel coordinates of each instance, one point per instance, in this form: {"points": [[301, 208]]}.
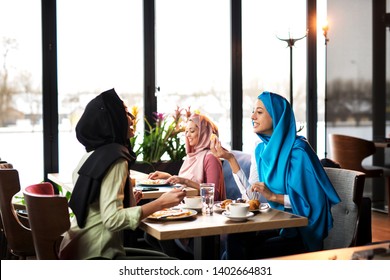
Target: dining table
{"points": [[207, 229], [65, 181], [384, 143]]}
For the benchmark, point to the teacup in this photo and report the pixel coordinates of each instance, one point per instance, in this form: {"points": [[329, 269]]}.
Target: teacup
{"points": [[238, 209], [193, 201]]}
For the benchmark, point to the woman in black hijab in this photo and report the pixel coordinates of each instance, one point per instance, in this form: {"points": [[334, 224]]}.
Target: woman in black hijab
{"points": [[102, 195]]}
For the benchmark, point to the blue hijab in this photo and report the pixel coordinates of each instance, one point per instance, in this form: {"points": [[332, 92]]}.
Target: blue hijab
{"points": [[288, 165]]}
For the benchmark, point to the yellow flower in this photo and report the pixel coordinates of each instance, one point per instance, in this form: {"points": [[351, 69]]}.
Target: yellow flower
{"points": [[134, 111]]}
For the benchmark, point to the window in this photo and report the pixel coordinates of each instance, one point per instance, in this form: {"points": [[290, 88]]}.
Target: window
{"points": [[100, 46], [193, 59], [350, 68], [266, 58], [21, 138]]}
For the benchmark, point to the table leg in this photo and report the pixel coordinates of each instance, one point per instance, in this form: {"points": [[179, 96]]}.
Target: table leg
{"points": [[207, 247]]}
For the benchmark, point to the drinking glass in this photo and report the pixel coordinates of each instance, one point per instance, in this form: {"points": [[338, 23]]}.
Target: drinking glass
{"points": [[207, 193]]}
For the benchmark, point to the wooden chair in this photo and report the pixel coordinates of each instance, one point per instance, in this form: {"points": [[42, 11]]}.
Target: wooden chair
{"points": [[349, 185], [350, 152], [4, 252], [49, 218], [17, 233]]}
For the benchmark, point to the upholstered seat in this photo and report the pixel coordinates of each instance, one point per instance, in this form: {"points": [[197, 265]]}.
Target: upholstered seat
{"points": [[244, 160], [364, 230], [349, 185]]}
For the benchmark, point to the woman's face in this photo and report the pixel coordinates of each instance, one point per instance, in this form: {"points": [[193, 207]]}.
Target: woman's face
{"points": [[130, 120], [192, 133], [262, 121]]}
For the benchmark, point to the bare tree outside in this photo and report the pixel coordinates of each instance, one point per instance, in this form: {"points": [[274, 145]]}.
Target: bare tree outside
{"points": [[12, 87], [7, 88]]}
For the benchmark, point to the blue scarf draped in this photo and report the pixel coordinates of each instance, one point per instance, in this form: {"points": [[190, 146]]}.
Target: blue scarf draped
{"points": [[288, 165]]}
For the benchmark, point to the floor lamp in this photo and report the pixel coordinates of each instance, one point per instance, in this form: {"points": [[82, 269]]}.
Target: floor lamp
{"points": [[290, 44], [325, 29]]}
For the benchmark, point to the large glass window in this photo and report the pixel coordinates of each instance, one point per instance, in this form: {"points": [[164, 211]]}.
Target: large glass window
{"points": [[100, 46], [350, 68], [266, 57], [350, 60], [193, 59], [21, 138], [349, 63]]}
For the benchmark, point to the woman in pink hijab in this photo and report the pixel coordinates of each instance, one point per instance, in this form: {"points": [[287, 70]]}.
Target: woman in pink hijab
{"points": [[200, 165]]}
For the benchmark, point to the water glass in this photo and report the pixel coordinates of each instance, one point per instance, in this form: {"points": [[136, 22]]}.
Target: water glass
{"points": [[207, 194]]}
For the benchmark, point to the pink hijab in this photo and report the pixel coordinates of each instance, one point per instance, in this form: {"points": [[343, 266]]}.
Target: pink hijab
{"points": [[192, 167]]}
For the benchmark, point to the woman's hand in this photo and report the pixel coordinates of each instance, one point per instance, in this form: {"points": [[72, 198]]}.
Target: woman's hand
{"points": [[176, 180], [138, 196], [158, 175], [261, 188], [172, 198], [220, 152], [166, 200], [217, 149]]}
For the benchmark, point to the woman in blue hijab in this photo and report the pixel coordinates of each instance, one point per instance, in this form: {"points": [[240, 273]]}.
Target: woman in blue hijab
{"points": [[289, 175]]}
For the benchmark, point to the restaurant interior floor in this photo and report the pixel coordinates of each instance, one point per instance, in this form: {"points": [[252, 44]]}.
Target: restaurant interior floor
{"points": [[380, 226]]}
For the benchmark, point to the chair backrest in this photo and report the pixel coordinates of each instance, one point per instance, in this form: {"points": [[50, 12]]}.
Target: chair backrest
{"points": [[350, 152], [49, 218], [349, 185], [18, 235], [244, 160], [44, 188]]}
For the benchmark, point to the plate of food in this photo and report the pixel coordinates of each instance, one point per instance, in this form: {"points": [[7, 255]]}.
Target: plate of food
{"points": [[264, 207], [155, 182], [172, 214], [254, 204], [221, 205]]}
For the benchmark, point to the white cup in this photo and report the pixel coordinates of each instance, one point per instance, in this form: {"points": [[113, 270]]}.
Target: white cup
{"points": [[238, 209], [193, 201]]}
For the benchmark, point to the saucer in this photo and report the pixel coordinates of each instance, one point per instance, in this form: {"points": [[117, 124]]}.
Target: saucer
{"points": [[237, 219], [193, 208], [264, 207]]}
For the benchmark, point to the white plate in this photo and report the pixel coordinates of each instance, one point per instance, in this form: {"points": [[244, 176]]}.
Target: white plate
{"points": [[264, 207], [175, 214], [193, 208], [237, 219], [153, 183], [217, 207]]}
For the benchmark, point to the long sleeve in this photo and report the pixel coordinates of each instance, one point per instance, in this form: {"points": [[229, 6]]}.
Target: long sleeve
{"points": [[102, 235], [244, 184], [213, 174], [114, 216]]}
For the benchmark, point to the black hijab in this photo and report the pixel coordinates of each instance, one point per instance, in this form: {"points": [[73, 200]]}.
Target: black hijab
{"points": [[103, 129]]}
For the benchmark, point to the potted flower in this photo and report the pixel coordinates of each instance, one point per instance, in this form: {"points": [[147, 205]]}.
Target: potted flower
{"points": [[164, 139]]}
